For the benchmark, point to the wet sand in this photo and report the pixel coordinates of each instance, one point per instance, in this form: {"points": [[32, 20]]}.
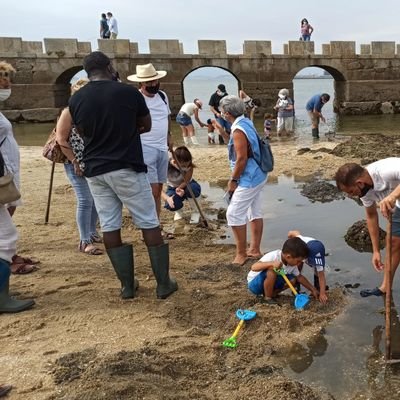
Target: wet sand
{"points": [[81, 341]]}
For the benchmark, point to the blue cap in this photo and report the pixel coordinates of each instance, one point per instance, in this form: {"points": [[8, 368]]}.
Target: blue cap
{"points": [[316, 255]]}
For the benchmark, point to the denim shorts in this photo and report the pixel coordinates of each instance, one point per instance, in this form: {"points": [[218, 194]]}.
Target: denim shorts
{"points": [[183, 119], [123, 187], [157, 164], [256, 286]]}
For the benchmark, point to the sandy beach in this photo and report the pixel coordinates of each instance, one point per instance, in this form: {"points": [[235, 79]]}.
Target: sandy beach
{"points": [[81, 341]]}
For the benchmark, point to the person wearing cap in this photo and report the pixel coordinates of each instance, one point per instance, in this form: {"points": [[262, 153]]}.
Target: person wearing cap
{"points": [[110, 116], [184, 119], [315, 260], [376, 183], [214, 107], [157, 140], [284, 107], [314, 109]]}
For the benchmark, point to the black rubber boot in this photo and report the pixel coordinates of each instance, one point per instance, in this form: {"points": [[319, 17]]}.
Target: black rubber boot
{"points": [[316, 283], [315, 133], [159, 259], [122, 260], [10, 305]]}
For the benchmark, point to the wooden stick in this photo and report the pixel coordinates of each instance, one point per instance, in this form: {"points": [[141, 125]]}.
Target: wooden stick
{"points": [[46, 218], [388, 281], [203, 218]]}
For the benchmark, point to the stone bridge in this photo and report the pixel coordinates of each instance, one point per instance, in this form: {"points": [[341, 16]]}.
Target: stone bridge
{"points": [[367, 82]]}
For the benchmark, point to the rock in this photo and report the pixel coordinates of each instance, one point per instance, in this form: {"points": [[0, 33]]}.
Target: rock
{"points": [[321, 191], [358, 238], [40, 114]]}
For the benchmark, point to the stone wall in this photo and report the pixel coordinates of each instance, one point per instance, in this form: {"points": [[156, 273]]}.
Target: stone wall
{"points": [[367, 80]]}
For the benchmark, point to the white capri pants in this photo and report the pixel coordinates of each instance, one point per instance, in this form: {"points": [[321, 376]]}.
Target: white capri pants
{"points": [[245, 205]]}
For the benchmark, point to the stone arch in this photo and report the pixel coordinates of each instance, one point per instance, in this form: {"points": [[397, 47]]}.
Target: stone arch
{"points": [[208, 66], [62, 86], [340, 82]]}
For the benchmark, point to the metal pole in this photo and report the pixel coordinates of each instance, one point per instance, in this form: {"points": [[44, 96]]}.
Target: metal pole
{"points": [[46, 218], [388, 283]]}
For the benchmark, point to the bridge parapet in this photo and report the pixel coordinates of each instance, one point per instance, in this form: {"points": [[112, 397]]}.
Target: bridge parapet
{"points": [[64, 47]]}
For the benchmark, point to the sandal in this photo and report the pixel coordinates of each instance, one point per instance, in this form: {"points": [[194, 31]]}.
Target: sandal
{"points": [[16, 259], [22, 269], [90, 249], [96, 238]]}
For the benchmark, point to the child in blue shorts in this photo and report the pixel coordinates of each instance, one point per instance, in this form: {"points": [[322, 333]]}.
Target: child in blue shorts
{"points": [[315, 260], [263, 280]]}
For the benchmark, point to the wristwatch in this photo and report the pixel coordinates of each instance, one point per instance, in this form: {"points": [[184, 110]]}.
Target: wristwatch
{"points": [[235, 180]]}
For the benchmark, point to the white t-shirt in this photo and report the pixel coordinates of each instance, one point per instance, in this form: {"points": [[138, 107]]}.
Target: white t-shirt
{"points": [[159, 112], [188, 109], [385, 176], [275, 255], [113, 25]]}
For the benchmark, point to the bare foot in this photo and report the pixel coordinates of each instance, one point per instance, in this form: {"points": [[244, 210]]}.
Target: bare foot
{"points": [[239, 260]]}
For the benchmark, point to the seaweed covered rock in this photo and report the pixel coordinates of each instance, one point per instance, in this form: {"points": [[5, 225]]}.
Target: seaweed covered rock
{"points": [[358, 238], [368, 148], [321, 191]]}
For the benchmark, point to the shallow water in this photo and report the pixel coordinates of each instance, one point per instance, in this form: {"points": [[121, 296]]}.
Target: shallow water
{"points": [[341, 359]]}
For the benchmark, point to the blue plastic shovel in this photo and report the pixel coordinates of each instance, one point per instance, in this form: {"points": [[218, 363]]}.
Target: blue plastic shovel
{"points": [[301, 299], [243, 315]]}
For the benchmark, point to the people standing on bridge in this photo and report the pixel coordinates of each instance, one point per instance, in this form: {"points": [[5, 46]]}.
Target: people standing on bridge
{"points": [[214, 107], [306, 30], [184, 119], [110, 116], [104, 29], [157, 140], [285, 108], [314, 109], [112, 25]]}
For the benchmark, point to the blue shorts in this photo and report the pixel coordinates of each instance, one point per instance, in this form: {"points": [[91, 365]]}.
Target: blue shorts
{"points": [[183, 119], [157, 164], [225, 124], [256, 286], [396, 222], [123, 187], [178, 200]]}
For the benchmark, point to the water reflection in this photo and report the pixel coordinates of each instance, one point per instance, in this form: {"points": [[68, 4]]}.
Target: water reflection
{"points": [[300, 357]]}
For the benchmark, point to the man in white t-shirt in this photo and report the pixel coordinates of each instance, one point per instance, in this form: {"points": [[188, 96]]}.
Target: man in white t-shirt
{"points": [[379, 182], [112, 25], [157, 141], [262, 278]]}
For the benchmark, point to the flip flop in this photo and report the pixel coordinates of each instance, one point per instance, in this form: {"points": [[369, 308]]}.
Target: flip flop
{"points": [[371, 292], [16, 259], [22, 269]]}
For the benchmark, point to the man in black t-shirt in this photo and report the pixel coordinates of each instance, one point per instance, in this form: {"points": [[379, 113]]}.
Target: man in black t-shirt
{"points": [[110, 117], [214, 107]]}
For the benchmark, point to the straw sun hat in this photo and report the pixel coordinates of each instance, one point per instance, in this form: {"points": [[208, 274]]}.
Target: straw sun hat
{"points": [[145, 73]]}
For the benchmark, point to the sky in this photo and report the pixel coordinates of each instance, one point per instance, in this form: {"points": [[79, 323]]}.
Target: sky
{"points": [[234, 21]]}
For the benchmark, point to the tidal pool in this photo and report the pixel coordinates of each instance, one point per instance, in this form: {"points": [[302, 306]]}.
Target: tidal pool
{"points": [[346, 358]]}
